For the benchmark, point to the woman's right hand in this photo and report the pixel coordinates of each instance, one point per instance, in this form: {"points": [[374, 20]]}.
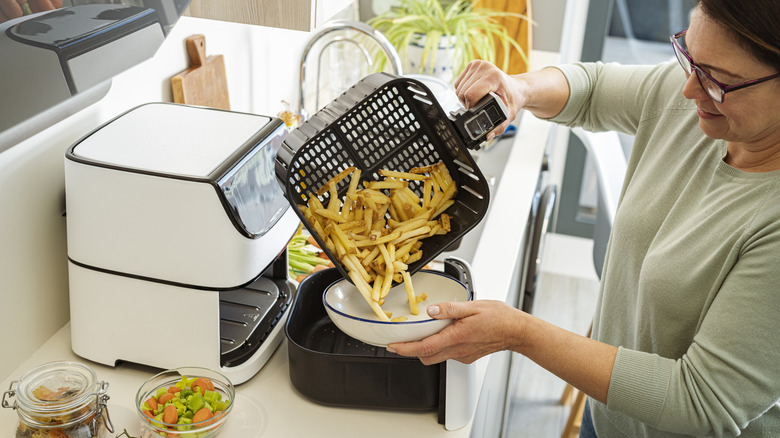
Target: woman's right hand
{"points": [[481, 77], [10, 9], [544, 92]]}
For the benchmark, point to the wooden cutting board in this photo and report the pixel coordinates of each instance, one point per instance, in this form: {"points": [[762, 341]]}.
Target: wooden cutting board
{"points": [[205, 82]]}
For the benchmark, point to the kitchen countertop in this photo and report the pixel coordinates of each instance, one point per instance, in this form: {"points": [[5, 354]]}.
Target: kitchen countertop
{"points": [[268, 404]]}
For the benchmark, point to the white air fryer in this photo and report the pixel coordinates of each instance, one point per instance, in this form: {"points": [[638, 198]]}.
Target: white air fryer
{"points": [[177, 235]]}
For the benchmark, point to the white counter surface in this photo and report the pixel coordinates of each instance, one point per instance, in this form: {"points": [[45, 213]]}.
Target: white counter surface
{"points": [[268, 405]]}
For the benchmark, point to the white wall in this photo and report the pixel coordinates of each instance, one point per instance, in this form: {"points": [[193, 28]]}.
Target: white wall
{"points": [[549, 17], [262, 68]]}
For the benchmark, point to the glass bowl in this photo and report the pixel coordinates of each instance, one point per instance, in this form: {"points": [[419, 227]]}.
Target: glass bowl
{"points": [[155, 427]]}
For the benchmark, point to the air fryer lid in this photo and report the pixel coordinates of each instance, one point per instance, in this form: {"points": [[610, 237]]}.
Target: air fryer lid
{"points": [[234, 152]]}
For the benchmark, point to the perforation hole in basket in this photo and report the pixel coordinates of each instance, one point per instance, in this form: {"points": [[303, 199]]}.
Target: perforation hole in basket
{"points": [[466, 169], [423, 100], [378, 126], [419, 153], [448, 140], [468, 196], [324, 158]]}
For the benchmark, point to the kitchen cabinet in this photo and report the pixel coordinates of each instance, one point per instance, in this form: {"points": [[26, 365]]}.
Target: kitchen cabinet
{"points": [[304, 15], [492, 414]]}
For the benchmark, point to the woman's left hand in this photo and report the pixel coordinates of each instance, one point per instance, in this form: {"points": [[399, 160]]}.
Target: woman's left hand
{"points": [[481, 327]]}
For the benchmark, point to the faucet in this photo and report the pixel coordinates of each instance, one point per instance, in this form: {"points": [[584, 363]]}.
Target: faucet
{"points": [[338, 25]]}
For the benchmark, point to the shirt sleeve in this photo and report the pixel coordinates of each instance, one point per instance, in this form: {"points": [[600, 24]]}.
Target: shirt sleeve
{"points": [[613, 97]]}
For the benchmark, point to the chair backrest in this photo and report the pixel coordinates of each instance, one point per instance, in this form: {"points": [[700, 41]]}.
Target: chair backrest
{"points": [[607, 155]]}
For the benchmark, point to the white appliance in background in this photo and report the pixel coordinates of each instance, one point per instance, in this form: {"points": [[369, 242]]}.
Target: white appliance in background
{"points": [[177, 231], [53, 56], [441, 89]]}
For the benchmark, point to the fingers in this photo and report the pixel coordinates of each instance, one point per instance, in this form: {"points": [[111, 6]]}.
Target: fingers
{"points": [[481, 77], [464, 75], [10, 9], [479, 328], [498, 130], [477, 80], [449, 310], [433, 348], [40, 5], [430, 350]]}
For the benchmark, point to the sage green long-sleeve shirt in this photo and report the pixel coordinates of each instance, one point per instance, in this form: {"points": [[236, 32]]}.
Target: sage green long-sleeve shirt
{"points": [[690, 290]]}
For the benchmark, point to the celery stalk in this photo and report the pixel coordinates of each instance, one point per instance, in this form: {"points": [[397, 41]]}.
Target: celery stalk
{"points": [[312, 260], [302, 267]]}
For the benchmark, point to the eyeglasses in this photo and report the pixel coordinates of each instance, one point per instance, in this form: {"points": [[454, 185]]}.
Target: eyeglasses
{"points": [[716, 90]]}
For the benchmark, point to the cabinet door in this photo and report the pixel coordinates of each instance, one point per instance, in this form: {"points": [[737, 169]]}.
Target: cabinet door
{"points": [[492, 413], [302, 15]]}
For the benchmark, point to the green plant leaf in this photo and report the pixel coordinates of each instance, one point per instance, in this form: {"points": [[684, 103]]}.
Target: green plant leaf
{"points": [[474, 31]]}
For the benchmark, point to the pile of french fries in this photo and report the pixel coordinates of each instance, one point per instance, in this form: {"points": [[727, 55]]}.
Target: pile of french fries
{"points": [[375, 231]]}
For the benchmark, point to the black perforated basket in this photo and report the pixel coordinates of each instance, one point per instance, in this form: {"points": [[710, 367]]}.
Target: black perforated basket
{"points": [[394, 123]]}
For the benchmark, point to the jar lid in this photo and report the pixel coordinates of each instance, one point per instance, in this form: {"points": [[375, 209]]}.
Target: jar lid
{"points": [[56, 388]]}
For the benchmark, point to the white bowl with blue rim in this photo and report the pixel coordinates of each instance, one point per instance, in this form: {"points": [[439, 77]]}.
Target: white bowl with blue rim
{"points": [[347, 308]]}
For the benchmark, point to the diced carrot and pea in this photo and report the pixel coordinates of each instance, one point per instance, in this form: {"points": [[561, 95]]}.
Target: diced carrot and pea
{"points": [[188, 402]]}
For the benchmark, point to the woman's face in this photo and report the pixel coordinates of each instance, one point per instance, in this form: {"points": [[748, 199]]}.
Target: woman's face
{"points": [[751, 115]]}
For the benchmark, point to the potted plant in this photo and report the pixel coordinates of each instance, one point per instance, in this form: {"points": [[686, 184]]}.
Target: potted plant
{"points": [[440, 39]]}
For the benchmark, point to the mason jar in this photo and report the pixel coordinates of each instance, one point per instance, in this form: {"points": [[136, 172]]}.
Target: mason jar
{"points": [[59, 399]]}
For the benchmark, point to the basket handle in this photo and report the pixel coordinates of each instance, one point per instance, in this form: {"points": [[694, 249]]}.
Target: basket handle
{"points": [[461, 271], [475, 123]]}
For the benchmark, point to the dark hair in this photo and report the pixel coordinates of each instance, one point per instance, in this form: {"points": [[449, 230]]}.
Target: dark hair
{"points": [[754, 22]]}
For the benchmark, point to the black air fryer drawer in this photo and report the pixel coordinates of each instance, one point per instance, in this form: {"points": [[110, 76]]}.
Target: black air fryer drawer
{"points": [[332, 368]]}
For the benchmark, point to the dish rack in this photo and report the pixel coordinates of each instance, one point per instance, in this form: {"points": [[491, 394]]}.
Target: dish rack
{"points": [[394, 123]]}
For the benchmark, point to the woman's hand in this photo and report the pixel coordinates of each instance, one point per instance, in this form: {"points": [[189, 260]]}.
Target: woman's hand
{"points": [[10, 9], [44, 5], [481, 327], [544, 92], [481, 77]]}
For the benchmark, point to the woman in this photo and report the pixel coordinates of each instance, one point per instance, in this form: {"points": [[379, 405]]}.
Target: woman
{"points": [[686, 336]]}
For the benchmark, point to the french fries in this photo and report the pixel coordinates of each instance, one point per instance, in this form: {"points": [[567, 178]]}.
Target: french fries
{"points": [[375, 231]]}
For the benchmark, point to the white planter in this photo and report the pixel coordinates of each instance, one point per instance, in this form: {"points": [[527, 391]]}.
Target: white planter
{"points": [[446, 58]]}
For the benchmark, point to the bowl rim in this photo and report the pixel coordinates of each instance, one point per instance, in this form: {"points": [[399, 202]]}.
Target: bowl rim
{"points": [[420, 321], [139, 397]]}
